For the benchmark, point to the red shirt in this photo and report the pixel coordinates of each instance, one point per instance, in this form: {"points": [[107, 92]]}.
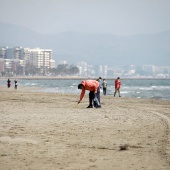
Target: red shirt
{"points": [[117, 83], [91, 85]]}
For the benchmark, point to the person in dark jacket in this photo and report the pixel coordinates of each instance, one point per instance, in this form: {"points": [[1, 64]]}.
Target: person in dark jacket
{"points": [[8, 83], [16, 84]]}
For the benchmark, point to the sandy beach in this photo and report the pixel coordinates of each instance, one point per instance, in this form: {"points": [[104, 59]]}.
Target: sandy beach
{"points": [[50, 131]]}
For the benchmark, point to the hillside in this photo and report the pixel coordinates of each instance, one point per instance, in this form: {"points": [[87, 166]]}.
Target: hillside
{"points": [[93, 48]]}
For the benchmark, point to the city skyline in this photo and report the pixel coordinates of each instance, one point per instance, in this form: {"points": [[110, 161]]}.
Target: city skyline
{"points": [[111, 32], [26, 61]]}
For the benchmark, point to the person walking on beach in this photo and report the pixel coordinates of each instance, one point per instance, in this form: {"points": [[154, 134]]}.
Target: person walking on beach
{"points": [[16, 84], [8, 83], [104, 84], [94, 88], [117, 86]]}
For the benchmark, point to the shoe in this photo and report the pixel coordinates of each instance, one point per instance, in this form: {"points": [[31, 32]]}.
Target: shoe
{"points": [[119, 96], [90, 106], [98, 106]]}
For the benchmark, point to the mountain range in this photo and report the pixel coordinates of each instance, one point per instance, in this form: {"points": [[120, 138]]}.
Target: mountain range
{"points": [[103, 49]]}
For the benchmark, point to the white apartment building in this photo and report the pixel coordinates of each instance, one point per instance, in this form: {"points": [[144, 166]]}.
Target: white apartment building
{"points": [[82, 68], [26, 54], [18, 53], [52, 63], [42, 59], [8, 64], [1, 65]]}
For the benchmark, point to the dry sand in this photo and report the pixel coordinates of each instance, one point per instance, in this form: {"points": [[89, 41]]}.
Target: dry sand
{"points": [[48, 131]]}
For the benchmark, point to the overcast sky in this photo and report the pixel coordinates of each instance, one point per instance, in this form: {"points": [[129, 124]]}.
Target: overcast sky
{"points": [[119, 17]]}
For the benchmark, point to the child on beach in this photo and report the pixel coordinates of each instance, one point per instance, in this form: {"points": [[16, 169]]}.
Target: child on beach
{"points": [[94, 87]]}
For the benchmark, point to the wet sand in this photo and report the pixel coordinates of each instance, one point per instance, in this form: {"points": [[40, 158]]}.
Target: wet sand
{"points": [[50, 131]]}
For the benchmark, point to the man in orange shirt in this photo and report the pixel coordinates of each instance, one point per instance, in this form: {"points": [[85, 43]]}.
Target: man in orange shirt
{"points": [[117, 86], [94, 87]]}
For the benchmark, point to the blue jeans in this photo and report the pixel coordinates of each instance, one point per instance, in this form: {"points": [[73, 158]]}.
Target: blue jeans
{"points": [[91, 96]]}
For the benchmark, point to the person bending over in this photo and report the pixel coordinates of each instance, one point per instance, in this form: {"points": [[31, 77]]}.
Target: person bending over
{"points": [[94, 87]]}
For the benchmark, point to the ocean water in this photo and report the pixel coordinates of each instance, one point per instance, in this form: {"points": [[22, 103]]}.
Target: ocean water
{"points": [[135, 88]]}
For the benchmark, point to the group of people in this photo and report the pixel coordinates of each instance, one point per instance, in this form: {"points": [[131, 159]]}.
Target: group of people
{"points": [[9, 83], [94, 87]]}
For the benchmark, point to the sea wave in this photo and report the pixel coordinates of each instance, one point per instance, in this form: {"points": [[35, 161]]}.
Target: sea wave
{"points": [[159, 89]]}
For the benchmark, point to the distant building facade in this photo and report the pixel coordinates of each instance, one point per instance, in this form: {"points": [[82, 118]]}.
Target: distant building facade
{"points": [[16, 57], [1, 65]]}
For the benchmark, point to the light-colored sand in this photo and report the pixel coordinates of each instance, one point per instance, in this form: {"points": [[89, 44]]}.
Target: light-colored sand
{"points": [[48, 131]]}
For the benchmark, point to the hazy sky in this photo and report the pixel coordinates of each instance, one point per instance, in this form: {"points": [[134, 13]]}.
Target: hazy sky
{"points": [[120, 17]]}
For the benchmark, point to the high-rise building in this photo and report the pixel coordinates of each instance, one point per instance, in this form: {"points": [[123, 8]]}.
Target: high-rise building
{"points": [[39, 58], [1, 65], [82, 68], [3, 52]]}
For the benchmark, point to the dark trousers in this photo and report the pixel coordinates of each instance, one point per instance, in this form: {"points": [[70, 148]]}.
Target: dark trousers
{"points": [[91, 96], [104, 91]]}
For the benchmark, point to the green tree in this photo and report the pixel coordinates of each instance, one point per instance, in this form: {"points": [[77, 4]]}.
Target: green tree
{"points": [[73, 70]]}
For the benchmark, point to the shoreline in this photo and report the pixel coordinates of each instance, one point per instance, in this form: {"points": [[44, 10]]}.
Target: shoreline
{"points": [[37, 89], [73, 78]]}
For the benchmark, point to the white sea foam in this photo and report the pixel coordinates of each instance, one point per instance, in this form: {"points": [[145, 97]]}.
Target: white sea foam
{"points": [[145, 88], [30, 84], [161, 87], [124, 92]]}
